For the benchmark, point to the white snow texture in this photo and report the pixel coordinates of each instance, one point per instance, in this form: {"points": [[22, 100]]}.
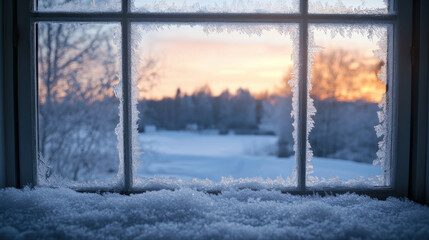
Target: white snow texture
{"points": [[46, 213]]}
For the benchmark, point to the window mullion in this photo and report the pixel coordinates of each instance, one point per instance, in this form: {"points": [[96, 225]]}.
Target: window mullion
{"points": [[302, 103], [126, 100]]}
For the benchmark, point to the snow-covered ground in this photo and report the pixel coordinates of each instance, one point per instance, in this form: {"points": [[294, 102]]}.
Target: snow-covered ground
{"points": [[188, 155], [46, 213]]}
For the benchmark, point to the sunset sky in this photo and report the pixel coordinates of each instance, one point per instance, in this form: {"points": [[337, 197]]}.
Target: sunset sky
{"points": [[190, 58]]}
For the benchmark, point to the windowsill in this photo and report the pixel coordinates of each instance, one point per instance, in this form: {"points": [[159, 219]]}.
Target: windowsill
{"points": [[187, 213]]}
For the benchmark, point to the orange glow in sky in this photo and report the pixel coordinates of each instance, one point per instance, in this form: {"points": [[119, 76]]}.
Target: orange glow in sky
{"points": [[188, 58]]}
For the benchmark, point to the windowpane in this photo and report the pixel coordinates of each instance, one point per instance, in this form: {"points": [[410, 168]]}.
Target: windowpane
{"points": [[349, 6], [214, 101], [78, 5], [78, 69], [348, 90], [215, 6]]}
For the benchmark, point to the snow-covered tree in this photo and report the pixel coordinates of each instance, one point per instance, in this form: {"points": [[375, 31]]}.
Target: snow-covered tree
{"points": [[203, 106], [78, 111], [243, 110]]}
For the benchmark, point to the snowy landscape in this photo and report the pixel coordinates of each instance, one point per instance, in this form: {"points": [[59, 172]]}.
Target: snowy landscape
{"points": [[187, 155]]}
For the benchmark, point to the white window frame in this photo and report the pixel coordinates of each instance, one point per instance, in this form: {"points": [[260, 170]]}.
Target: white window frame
{"points": [[22, 152]]}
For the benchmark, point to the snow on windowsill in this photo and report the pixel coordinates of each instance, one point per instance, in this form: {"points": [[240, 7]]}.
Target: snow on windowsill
{"points": [[45, 213]]}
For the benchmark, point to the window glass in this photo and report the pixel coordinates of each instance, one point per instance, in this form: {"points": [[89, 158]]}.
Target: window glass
{"points": [[78, 5], [78, 69], [215, 6], [348, 105], [349, 6], [215, 103]]}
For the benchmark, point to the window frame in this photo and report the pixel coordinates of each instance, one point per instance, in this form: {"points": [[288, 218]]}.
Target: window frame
{"points": [[24, 153]]}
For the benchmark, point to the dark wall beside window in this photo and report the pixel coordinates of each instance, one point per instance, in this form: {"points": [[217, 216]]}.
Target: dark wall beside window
{"points": [[419, 161], [425, 59], [2, 155]]}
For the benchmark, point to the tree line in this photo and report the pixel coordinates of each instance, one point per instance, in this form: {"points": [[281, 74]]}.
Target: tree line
{"points": [[343, 129], [238, 111]]}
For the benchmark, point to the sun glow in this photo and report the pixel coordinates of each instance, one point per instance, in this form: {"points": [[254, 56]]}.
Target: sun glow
{"points": [[346, 76], [189, 59]]}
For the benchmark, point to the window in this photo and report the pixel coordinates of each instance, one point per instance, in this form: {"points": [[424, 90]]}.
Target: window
{"points": [[72, 38]]}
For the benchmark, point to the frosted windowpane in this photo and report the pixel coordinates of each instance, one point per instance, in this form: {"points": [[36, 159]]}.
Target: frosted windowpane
{"points": [[215, 104], [78, 69], [215, 6], [349, 140], [349, 6], [78, 5]]}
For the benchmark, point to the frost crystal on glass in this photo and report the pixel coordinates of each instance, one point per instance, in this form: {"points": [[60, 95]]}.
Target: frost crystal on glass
{"points": [[214, 6], [78, 5], [349, 6]]}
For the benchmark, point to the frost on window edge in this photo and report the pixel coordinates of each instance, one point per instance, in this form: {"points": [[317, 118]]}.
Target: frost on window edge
{"points": [[249, 29], [78, 6], [311, 109], [338, 7], [226, 6], [137, 150], [119, 130], [384, 114], [294, 84], [383, 129]]}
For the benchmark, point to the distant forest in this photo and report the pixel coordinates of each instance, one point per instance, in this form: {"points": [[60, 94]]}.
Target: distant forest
{"points": [[240, 112], [343, 129]]}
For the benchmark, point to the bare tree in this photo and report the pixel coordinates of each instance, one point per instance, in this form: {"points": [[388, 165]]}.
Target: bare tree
{"points": [[345, 92], [78, 112]]}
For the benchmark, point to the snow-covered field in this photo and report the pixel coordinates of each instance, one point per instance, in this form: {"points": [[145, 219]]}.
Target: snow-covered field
{"points": [[46, 213], [188, 155]]}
